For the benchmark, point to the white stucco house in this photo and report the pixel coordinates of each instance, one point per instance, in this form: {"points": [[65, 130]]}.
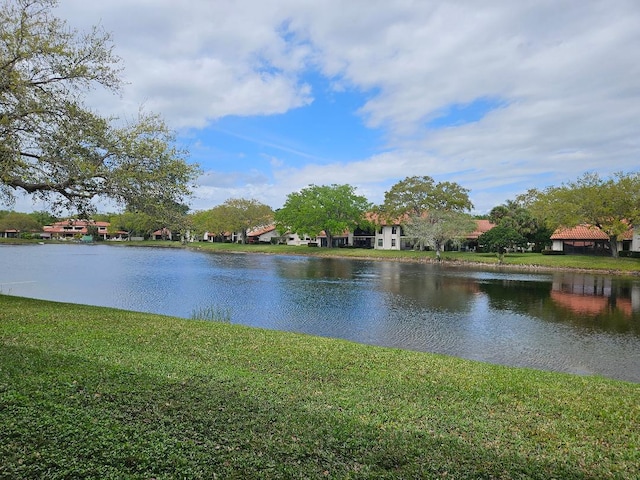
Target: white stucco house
{"points": [[263, 234], [390, 237]]}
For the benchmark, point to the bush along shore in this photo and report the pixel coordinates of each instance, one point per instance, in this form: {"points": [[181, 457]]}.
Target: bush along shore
{"points": [[90, 392]]}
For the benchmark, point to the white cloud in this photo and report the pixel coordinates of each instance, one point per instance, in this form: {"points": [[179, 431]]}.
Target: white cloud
{"points": [[566, 74]]}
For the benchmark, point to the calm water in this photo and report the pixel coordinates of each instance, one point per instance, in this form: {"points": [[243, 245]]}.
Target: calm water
{"points": [[574, 323]]}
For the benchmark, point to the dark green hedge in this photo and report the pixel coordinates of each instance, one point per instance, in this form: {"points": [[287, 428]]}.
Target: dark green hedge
{"points": [[629, 254]]}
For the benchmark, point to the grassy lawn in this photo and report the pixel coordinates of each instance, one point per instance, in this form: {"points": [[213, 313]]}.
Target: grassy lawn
{"points": [[89, 392]]}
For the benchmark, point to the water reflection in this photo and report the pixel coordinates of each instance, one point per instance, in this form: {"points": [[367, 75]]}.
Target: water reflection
{"points": [[569, 322]]}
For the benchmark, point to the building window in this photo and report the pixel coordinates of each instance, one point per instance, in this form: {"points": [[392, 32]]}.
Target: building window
{"points": [[379, 242], [393, 242], [394, 230]]}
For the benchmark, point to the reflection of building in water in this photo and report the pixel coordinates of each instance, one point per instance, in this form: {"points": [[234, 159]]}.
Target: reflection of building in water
{"points": [[590, 295]]}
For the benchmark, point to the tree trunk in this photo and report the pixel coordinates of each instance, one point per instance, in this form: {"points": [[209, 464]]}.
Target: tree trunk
{"points": [[438, 250], [613, 246]]}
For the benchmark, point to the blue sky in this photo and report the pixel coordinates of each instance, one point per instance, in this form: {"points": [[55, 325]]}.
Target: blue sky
{"points": [[269, 97]]}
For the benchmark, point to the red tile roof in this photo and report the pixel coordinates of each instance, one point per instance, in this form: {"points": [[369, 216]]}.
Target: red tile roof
{"points": [[261, 231], [73, 226], [628, 235], [580, 232], [482, 227]]}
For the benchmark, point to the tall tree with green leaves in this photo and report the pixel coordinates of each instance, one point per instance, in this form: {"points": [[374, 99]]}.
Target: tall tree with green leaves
{"points": [[234, 215], [431, 212], [516, 215], [330, 208], [57, 149], [611, 204]]}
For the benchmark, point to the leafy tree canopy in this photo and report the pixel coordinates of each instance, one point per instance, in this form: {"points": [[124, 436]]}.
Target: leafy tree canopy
{"points": [[500, 238], [22, 222], [137, 224], [329, 208], [611, 204], [43, 217], [515, 215], [51, 145], [414, 196], [439, 227]]}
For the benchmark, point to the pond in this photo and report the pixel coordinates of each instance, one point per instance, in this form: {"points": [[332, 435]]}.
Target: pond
{"points": [[569, 322]]}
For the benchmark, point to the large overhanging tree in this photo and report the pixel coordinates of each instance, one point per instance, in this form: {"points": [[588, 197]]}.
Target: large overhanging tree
{"points": [[52, 145], [610, 204], [333, 209]]}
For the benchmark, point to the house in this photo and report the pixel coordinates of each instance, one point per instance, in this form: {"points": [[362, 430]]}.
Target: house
{"points": [[482, 226], [162, 234], [363, 238], [634, 240], [12, 233], [293, 239], [390, 236], [263, 235], [590, 239], [74, 229], [226, 237]]}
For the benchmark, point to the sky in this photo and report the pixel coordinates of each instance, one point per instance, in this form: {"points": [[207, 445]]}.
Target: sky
{"points": [[269, 97]]}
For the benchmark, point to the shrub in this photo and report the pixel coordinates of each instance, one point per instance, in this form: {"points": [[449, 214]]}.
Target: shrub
{"points": [[628, 254]]}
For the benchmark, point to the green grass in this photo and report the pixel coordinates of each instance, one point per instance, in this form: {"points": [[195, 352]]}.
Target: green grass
{"points": [[89, 392]]}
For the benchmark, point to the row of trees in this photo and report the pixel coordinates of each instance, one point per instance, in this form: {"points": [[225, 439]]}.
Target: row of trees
{"points": [[434, 213], [431, 213]]}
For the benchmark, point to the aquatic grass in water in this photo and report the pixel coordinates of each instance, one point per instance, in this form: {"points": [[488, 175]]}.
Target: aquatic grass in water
{"points": [[212, 313]]}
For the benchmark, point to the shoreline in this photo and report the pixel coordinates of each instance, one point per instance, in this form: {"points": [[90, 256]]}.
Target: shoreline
{"points": [[409, 256], [432, 261]]}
